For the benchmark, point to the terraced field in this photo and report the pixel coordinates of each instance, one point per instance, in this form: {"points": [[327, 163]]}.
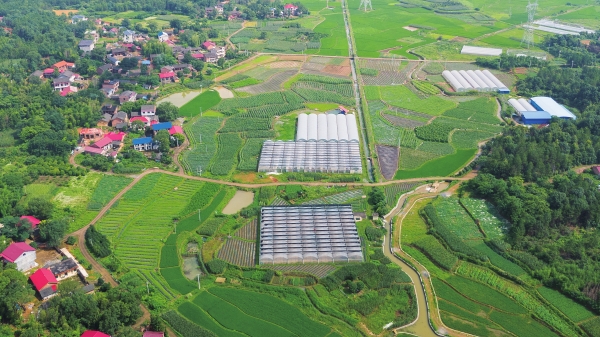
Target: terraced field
{"points": [[238, 252]]}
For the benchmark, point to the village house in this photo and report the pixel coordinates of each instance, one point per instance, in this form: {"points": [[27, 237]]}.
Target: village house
{"points": [[63, 65], [104, 120], [161, 126], [181, 67], [119, 117], [167, 77], [90, 133], [148, 110], [209, 45], [208, 11], [77, 18], [118, 52], [60, 83], [113, 60], [144, 144], [234, 15], [110, 108], [596, 170], [163, 37], [64, 269], [86, 45], [32, 220], [220, 52], [117, 138], [37, 74], [98, 22], [211, 56], [103, 144], [21, 254], [198, 56], [290, 9], [127, 96], [144, 120], [128, 36], [94, 333], [45, 283], [176, 129], [92, 35], [101, 69]]}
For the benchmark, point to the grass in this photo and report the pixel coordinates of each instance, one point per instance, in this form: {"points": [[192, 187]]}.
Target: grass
{"points": [[440, 167], [445, 292], [575, 311], [271, 309], [195, 314], [402, 97], [499, 261], [233, 318], [321, 106], [204, 101], [285, 127], [36, 190], [177, 281]]}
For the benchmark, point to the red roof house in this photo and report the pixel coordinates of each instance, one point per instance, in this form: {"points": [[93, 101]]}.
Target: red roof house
{"points": [[139, 118], [63, 65], [34, 221], [167, 77], [175, 129], [153, 334], [290, 8], [208, 45], [153, 122], [198, 56], [68, 90], [21, 254], [596, 170], [103, 143], [116, 136], [44, 282], [93, 150], [94, 333]]}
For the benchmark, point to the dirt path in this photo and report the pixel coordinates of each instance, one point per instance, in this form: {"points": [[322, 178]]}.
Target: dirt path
{"points": [[178, 151], [499, 110], [227, 39]]}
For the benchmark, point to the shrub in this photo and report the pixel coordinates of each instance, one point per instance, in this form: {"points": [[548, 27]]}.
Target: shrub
{"points": [[216, 266], [185, 327], [374, 234], [71, 240], [97, 243], [434, 250]]}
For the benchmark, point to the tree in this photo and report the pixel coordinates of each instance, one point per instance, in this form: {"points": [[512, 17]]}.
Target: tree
{"points": [[221, 62], [152, 26], [53, 231], [129, 63], [15, 229], [14, 293], [167, 111], [162, 137], [177, 139], [51, 143], [40, 208], [263, 36], [176, 24], [125, 23]]}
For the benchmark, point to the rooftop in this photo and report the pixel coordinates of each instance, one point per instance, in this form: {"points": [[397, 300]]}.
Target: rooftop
{"points": [[102, 142], [42, 277], [93, 150], [552, 107], [34, 221], [94, 333], [15, 250], [536, 115], [162, 126], [142, 140], [63, 266]]}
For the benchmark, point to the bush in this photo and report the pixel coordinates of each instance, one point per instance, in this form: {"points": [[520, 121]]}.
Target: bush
{"points": [[436, 251], [71, 240], [374, 234], [185, 327], [97, 243], [216, 266]]}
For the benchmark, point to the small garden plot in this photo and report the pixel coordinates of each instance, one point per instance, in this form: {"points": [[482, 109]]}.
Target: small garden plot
{"points": [[393, 192], [492, 224], [278, 201], [249, 154], [402, 122], [335, 67], [592, 326], [339, 198], [426, 87], [318, 270], [402, 97], [433, 68], [480, 110], [484, 294], [520, 325], [243, 83], [226, 157], [233, 318], [177, 281], [388, 160], [467, 139], [575, 311], [238, 252], [388, 72], [274, 83], [498, 260], [456, 219], [203, 144], [248, 232], [107, 188]]}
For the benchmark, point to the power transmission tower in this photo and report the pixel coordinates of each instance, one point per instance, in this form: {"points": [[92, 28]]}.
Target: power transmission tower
{"points": [[528, 35], [364, 4]]}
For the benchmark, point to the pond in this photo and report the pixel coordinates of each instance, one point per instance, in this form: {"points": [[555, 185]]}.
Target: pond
{"points": [[179, 99], [191, 269], [240, 200]]}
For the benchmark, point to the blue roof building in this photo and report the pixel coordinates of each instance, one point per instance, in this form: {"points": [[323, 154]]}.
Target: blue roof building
{"points": [[142, 140], [552, 107], [535, 117], [162, 126]]}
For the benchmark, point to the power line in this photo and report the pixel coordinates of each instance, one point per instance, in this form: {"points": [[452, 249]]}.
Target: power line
{"points": [[528, 35]]}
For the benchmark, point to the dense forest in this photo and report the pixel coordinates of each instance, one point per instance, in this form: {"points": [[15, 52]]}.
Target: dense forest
{"points": [[527, 174]]}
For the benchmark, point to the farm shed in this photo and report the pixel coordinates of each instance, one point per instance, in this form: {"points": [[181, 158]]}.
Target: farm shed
{"points": [[480, 82], [471, 50], [526, 105], [516, 105], [290, 156], [461, 80], [302, 129], [315, 233], [552, 107], [454, 83], [471, 81], [327, 127], [503, 89], [535, 117]]}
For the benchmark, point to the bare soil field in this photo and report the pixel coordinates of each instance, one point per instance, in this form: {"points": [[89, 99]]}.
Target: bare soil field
{"points": [[388, 160]]}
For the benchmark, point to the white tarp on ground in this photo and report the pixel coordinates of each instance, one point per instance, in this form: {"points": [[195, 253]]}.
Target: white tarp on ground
{"points": [[481, 51]]}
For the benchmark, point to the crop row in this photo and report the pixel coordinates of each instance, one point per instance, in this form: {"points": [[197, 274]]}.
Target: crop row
{"points": [[434, 132], [318, 270], [493, 225], [185, 327], [313, 95], [272, 110], [153, 279], [228, 105], [238, 252], [201, 198], [225, 160], [203, 144], [249, 231], [393, 192], [269, 134], [517, 293], [456, 219], [426, 87], [437, 252], [323, 79], [342, 89], [239, 123], [249, 154]]}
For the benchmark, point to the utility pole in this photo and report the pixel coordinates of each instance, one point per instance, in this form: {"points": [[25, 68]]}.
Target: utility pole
{"points": [[198, 281], [199, 216], [147, 287]]}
